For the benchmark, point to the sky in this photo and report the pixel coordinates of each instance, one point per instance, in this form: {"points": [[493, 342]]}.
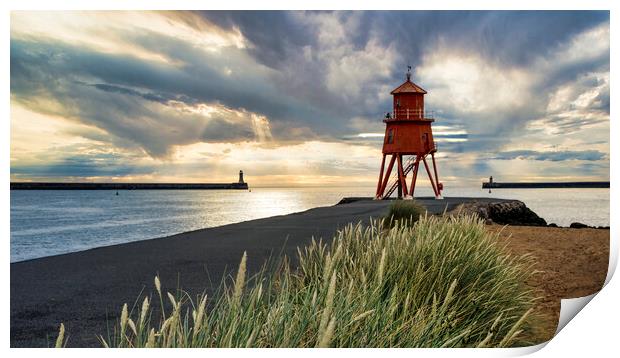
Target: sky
{"points": [[297, 98]]}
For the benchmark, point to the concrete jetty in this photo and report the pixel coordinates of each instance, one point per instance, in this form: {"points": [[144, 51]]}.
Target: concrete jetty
{"points": [[127, 186], [546, 185]]}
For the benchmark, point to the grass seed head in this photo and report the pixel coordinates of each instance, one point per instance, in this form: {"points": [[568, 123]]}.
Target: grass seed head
{"points": [[144, 312], [132, 325], [61, 336], [172, 300], [150, 342], [240, 279], [124, 317], [158, 285], [199, 314], [328, 335]]}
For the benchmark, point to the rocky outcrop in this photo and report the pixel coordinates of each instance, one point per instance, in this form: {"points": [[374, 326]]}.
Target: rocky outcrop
{"points": [[512, 212], [578, 225]]}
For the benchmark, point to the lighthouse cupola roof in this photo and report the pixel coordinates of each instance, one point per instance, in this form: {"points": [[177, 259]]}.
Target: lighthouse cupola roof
{"points": [[408, 86]]}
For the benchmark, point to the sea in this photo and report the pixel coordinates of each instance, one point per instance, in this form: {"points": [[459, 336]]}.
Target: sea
{"points": [[52, 222]]}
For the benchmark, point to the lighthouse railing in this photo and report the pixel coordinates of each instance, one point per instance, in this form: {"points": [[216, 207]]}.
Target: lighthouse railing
{"points": [[410, 114]]}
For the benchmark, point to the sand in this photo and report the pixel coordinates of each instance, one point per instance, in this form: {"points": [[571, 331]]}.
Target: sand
{"points": [[572, 263]]}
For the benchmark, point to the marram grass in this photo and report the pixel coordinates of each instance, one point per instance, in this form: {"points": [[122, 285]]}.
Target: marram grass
{"points": [[443, 282], [405, 211]]}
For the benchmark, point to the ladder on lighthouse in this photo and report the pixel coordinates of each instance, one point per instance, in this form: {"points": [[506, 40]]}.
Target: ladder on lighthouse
{"points": [[408, 167]]}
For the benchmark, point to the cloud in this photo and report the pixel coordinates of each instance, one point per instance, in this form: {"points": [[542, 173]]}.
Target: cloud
{"points": [[156, 117], [157, 83], [588, 155], [498, 103], [79, 167]]}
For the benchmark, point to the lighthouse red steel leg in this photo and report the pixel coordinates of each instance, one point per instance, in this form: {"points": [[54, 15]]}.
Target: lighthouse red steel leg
{"points": [[430, 176], [415, 174], [378, 194], [401, 175], [436, 175], [404, 178], [386, 176]]}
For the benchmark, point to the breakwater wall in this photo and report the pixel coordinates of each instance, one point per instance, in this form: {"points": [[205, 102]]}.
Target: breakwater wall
{"points": [[127, 186], [543, 185]]}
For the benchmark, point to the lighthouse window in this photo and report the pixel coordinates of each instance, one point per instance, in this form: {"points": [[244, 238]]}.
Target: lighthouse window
{"points": [[390, 136]]}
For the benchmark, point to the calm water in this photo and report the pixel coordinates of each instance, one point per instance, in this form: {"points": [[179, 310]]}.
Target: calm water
{"points": [[45, 223]]}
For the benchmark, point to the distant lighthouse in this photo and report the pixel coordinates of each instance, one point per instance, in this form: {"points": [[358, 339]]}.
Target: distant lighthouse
{"points": [[241, 177]]}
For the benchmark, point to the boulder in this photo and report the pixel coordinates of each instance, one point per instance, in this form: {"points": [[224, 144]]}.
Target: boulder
{"points": [[512, 212], [578, 226]]}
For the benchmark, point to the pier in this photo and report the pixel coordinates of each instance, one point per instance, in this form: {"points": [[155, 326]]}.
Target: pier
{"points": [[239, 185], [545, 185], [127, 186]]}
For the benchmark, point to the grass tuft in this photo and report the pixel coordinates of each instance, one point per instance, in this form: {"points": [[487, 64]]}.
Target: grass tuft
{"points": [[405, 211]]}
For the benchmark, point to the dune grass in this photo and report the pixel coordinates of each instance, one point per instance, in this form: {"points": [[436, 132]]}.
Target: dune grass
{"points": [[405, 211], [443, 282]]}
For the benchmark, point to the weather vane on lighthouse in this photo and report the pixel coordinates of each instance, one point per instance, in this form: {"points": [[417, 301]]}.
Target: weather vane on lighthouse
{"points": [[408, 132]]}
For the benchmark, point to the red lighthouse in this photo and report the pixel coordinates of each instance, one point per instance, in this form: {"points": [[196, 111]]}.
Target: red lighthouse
{"points": [[408, 132]]}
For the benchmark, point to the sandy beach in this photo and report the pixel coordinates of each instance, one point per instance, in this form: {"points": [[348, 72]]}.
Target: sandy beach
{"points": [[572, 263], [85, 290]]}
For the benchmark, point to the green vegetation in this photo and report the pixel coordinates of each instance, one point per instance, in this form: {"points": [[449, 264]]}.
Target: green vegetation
{"points": [[405, 211], [443, 282]]}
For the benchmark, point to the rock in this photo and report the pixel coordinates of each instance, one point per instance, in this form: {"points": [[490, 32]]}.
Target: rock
{"points": [[578, 226], [553, 225], [514, 213], [488, 222], [507, 212]]}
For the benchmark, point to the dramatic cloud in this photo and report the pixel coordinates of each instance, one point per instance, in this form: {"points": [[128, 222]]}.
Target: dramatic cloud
{"points": [[139, 92], [589, 155]]}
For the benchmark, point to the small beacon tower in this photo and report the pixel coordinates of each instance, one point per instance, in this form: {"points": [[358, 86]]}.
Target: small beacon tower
{"points": [[408, 132], [241, 177]]}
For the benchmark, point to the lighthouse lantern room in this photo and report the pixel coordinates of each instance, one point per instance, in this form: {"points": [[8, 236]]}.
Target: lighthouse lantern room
{"points": [[408, 141]]}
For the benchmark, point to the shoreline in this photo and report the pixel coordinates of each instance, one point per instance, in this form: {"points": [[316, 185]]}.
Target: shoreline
{"points": [[429, 201], [434, 206], [86, 289]]}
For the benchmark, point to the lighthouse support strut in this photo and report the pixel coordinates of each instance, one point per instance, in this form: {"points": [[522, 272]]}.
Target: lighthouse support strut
{"points": [[378, 193], [386, 176], [436, 175], [430, 176], [416, 165], [401, 178]]}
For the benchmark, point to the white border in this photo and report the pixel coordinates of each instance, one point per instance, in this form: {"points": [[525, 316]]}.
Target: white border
{"points": [[592, 331]]}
